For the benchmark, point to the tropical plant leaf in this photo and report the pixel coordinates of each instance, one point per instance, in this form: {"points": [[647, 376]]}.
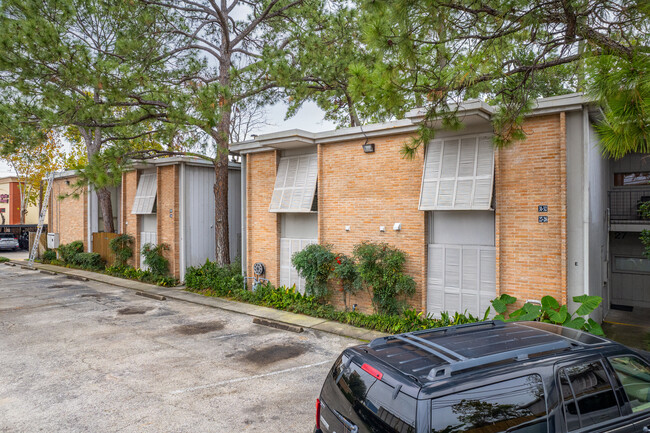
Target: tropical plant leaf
{"points": [[500, 317], [576, 323], [559, 316], [594, 327], [499, 306], [549, 302], [588, 304]]}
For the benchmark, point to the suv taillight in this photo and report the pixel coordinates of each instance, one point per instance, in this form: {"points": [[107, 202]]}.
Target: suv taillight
{"points": [[317, 413]]}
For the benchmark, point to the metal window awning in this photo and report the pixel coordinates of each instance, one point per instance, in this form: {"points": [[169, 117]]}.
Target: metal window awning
{"points": [[145, 196], [458, 174], [295, 184]]}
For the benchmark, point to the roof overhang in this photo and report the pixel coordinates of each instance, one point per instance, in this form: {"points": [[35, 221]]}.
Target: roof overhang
{"points": [[472, 113]]}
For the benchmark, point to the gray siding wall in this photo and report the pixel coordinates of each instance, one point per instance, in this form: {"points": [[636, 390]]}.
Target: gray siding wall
{"points": [[575, 160], [598, 227], [199, 214], [587, 229], [471, 227], [299, 225]]}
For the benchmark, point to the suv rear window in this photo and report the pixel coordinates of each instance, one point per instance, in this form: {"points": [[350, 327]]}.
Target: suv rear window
{"points": [[512, 405], [377, 406], [6, 236], [588, 395]]}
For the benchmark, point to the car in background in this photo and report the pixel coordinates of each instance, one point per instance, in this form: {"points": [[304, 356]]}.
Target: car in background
{"points": [[487, 377], [8, 242]]}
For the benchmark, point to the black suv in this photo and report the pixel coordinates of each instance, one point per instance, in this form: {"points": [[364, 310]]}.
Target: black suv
{"points": [[487, 377]]}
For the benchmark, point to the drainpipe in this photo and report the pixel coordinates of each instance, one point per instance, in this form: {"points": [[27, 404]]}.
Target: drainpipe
{"points": [[585, 200], [89, 220], [244, 250], [181, 221]]}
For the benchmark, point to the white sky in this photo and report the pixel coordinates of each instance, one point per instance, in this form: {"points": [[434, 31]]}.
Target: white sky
{"points": [[309, 118]]}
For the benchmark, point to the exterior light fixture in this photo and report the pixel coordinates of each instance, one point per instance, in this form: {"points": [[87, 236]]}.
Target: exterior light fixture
{"points": [[368, 147]]}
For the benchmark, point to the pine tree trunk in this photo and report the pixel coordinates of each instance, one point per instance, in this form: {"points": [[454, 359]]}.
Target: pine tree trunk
{"points": [[221, 228], [104, 200], [93, 145]]}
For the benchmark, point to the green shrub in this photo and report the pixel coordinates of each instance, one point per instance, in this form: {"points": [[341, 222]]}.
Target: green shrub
{"points": [[381, 269], [68, 251], [550, 311], [315, 264], [122, 247], [146, 276], [49, 256], [4, 259], [346, 271], [89, 261], [153, 257]]}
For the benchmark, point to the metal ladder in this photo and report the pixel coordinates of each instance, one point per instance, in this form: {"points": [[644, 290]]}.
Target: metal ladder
{"points": [[41, 220]]}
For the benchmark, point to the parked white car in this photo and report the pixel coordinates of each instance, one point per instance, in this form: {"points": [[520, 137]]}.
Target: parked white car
{"points": [[8, 242]]}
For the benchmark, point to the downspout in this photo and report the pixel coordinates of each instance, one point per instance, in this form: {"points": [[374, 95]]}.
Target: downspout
{"points": [[181, 221], [243, 197], [585, 199], [89, 219]]}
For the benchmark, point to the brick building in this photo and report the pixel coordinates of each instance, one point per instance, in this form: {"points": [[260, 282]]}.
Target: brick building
{"points": [[166, 200], [10, 203], [529, 220]]}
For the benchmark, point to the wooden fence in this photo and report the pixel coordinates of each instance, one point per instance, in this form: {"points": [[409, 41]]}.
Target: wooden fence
{"points": [[100, 246]]}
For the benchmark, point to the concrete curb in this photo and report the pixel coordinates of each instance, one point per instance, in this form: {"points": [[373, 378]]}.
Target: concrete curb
{"points": [[256, 311]]}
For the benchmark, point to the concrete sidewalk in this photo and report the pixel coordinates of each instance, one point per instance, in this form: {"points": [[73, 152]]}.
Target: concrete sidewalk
{"points": [[179, 294]]}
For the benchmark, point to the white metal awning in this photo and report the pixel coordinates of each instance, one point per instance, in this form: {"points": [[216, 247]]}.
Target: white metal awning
{"points": [[458, 174], [145, 196], [295, 184]]}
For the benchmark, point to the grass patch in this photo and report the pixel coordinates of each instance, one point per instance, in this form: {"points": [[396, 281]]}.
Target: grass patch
{"points": [[4, 259]]}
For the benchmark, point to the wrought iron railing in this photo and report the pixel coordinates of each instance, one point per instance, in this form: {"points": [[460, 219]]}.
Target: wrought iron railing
{"points": [[625, 205]]}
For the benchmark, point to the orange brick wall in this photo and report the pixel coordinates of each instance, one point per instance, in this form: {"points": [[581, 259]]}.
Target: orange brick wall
{"points": [[130, 221], [366, 191], [69, 216], [531, 257], [168, 226], [369, 190], [263, 241]]}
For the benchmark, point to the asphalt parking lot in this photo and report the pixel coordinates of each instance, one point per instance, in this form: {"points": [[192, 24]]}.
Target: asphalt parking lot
{"points": [[84, 356]]}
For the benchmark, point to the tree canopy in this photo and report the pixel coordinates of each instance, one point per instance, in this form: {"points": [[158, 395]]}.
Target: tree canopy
{"points": [[509, 52]]}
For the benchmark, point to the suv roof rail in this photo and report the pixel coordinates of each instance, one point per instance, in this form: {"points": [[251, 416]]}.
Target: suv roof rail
{"points": [[518, 354], [444, 329]]}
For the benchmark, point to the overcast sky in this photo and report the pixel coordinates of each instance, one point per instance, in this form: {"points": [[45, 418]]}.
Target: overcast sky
{"points": [[309, 118]]}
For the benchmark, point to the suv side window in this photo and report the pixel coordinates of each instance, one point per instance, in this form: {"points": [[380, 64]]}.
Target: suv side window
{"points": [[634, 375], [587, 395], [516, 405]]}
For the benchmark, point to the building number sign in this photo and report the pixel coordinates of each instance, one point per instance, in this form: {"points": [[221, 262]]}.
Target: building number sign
{"points": [[542, 218], [4, 198]]}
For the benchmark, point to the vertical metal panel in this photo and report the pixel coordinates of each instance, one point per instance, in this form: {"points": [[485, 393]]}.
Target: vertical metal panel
{"points": [[199, 215], [235, 212], [461, 278], [288, 274], [146, 238]]}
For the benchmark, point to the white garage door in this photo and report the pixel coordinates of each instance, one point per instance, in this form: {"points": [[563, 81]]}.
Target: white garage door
{"points": [[288, 274], [460, 278]]}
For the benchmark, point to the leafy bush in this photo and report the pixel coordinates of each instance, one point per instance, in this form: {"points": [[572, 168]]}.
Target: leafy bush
{"points": [[146, 276], [315, 264], [48, 256], [153, 257], [3, 259], [89, 261], [381, 268], [68, 251], [213, 280], [122, 247], [550, 311]]}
